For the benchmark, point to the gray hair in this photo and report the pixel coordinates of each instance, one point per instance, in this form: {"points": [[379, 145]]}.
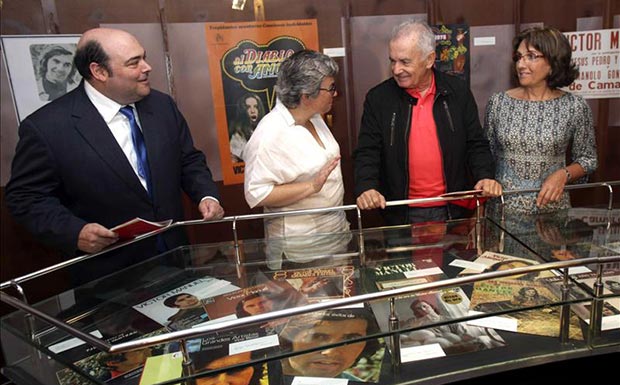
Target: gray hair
{"points": [[419, 32], [302, 73]]}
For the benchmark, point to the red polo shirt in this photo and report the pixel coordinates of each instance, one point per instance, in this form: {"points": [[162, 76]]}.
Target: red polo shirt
{"points": [[426, 177]]}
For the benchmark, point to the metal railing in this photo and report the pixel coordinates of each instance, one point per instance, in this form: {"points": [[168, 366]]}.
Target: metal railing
{"points": [[196, 332], [236, 218]]}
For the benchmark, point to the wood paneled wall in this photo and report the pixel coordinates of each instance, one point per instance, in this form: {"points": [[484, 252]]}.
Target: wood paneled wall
{"points": [[20, 253]]}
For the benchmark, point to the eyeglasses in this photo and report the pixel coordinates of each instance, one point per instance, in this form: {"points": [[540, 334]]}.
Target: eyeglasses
{"points": [[332, 89], [530, 57]]}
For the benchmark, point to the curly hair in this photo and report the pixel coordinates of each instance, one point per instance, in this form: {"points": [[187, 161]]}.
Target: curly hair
{"points": [[56, 51], [302, 74], [556, 49], [413, 306]]}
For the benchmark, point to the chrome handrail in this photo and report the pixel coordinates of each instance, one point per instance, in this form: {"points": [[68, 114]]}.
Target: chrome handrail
{"points": [[234, 219]]}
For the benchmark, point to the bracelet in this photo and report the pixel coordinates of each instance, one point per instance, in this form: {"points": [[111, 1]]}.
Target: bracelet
{"points": [[568, 176]]}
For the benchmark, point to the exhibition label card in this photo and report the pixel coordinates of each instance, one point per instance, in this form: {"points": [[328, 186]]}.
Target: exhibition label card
{"points": [[422, 352]]}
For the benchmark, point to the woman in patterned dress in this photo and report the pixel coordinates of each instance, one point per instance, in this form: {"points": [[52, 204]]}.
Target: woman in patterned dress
{"points": [[531, 128]]}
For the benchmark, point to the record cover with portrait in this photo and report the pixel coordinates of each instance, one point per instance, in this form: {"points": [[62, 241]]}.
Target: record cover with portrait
{"points": [[504, 295], [320, 283], [392, 274], [359, 361], [497, 262], [114, 368], [253, 300], [182, 307], [223, 350]]}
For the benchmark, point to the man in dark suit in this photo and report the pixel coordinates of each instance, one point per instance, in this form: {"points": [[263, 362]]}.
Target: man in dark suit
{"points": [[78, 171]]}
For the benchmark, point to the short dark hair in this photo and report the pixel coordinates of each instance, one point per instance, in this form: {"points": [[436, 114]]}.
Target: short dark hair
{"points": [[240, 311], [170, 301], [557, 50], [91, 52], [55, 51], [203, 358]]}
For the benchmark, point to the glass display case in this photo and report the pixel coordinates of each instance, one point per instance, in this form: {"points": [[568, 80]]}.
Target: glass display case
{"points": [[432, 303]]}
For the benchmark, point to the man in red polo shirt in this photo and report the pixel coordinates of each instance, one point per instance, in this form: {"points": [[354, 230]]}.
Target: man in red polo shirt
{"points": [[420, 136]]}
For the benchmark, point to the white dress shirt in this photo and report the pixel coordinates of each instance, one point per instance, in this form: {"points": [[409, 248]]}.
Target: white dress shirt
{"points": [[118, 124], [280, 152]]}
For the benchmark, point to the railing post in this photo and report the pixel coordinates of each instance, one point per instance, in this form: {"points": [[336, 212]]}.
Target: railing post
{"points": [[360, 230], [395, 336], [596, 310], [565, 312], [236, 241], [188, 364], [478, 229], [502, 233], [28, 318], [610, 200]]}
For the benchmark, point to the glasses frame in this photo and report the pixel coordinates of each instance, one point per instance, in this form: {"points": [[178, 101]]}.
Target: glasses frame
{"points": [[530, 57], [332, 89]]}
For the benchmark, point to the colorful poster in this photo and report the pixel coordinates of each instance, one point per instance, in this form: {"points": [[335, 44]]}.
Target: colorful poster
{"points": [[597, 54], [452, 49], [244, 59]]}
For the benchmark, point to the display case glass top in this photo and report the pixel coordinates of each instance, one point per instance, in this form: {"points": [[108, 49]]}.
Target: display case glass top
{"points": [[428, 303]]}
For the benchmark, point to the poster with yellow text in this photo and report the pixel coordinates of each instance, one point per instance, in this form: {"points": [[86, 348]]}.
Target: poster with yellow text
{"points": [[244, 59]]}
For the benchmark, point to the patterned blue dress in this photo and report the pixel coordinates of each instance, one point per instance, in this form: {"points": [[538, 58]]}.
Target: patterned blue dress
{"points": [[530, 140]]}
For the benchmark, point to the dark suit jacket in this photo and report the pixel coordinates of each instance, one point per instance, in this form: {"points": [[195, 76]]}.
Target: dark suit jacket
{"points": [[69, 170]]}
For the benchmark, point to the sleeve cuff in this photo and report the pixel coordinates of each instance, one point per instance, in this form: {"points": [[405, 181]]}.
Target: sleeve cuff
{"points": [[210, 197]]}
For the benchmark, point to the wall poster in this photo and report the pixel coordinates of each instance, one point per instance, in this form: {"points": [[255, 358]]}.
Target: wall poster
{"points": [[452, 49], [40, 69], [597, 54], [244, 59]]}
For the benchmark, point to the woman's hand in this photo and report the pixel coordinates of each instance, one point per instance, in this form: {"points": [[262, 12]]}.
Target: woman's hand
{"points": [[321, 177], [552, 188], [289, 193]]}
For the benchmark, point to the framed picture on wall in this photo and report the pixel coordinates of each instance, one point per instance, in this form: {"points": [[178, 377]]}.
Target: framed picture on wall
{"points": [[40, 69]]}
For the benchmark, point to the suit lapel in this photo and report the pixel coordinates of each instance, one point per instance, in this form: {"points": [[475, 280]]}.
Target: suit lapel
{"points": [[91, 126]]}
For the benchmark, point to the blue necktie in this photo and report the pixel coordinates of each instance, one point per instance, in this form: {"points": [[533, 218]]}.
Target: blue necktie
{"points": [[139, 146]]}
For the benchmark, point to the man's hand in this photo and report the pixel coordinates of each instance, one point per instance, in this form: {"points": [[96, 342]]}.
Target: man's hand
{"points": [[370, 199], [489, 187], [93, 238], [210, 209]]}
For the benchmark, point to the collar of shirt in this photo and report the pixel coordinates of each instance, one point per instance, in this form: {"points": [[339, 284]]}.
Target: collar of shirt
{"points": [[429, 94], [107, 107], [286, 114]]}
